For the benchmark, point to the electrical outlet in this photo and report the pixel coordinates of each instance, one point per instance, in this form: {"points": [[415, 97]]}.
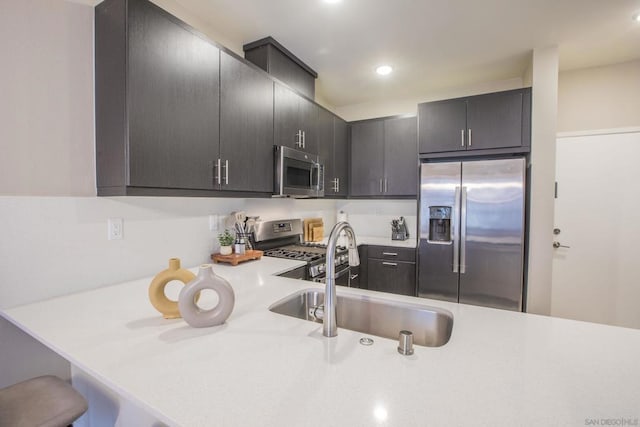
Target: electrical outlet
{"points": [[115, 229], [214, 222]]}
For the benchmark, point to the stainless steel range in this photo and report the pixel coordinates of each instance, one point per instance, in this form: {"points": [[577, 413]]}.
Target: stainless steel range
{"points": [[283, 239]]}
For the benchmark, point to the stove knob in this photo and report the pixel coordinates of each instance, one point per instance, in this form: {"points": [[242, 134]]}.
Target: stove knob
{"points": [[321, 268]]}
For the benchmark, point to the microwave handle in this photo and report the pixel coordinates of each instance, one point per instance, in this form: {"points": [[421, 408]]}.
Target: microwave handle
{"points": [[320, 184]]}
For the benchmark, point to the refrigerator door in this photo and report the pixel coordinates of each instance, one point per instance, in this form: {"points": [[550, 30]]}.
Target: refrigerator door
{"points": [[492, 233], [438, 251]]}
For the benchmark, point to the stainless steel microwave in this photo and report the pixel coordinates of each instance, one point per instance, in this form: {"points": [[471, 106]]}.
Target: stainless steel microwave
{"points": [[297, 174]]}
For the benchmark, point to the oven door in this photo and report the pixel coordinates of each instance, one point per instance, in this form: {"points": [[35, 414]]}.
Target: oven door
{"points": [[343, 276], [297, 174]]}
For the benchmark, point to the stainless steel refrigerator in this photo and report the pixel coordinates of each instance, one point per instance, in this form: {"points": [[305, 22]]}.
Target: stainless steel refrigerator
{"points": [[472, 217]]}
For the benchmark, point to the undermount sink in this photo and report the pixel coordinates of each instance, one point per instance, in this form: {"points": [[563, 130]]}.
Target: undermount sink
{"points": [[430, 326]]}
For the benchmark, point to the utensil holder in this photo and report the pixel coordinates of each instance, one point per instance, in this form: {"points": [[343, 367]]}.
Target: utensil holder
{"points": [[248, 238]]}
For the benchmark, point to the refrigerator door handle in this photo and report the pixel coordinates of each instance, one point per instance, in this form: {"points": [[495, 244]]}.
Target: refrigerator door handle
{"points": [[455, 226], [463, 232]]}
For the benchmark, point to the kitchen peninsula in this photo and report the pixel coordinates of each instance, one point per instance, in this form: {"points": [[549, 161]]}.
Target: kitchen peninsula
{"points": [[499, 368]]}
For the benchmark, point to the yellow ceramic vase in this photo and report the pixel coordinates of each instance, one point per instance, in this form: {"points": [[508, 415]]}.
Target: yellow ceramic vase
{"points": [[158, 298]]}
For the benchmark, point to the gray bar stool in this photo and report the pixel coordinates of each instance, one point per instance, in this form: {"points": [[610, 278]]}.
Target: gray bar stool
{"points": [[44, 401]]}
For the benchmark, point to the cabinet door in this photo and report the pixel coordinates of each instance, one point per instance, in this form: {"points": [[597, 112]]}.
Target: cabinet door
{"points": [[246, 127], [309, 124], [173, 103], [292, 114], [325, 149], [442, 126], [392, 253], [391, 276], [401, 156], [495, 120], [367, 154], [341, 155]]}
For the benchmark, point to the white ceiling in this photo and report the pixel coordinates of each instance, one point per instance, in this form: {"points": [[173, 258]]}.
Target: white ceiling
{"points": [[432, 44]]}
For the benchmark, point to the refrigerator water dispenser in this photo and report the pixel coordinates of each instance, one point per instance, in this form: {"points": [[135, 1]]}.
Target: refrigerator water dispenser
{"points": [[440, 224]]}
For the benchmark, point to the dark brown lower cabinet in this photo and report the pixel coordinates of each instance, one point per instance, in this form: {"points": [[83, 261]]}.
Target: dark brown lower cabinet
{"points": [[391, 276]]}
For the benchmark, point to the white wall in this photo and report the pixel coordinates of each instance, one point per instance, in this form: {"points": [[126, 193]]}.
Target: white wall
{"points": [[543, 151], [606, 97], [46, 113]]}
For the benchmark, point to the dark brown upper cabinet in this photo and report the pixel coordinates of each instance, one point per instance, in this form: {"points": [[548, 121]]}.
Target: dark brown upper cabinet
{"points": [[157, 102], [493, 123], [246, 127], [282, 64], [333, 139], [175, 114], [384, 158], [295, 120]]}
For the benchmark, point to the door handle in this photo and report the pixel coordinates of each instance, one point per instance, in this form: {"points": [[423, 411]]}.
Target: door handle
{"points": [[557, 245], [463, 230], [454, 231]]}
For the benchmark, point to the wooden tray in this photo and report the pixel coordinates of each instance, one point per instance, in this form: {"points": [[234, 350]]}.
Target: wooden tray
{"points": [[234, 259]]}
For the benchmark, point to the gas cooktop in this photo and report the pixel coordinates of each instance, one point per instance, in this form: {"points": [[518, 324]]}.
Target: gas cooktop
{"points": [[308, 252]]}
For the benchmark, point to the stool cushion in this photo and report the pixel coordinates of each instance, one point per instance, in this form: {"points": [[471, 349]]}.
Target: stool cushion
{"points": [[45, 401]]}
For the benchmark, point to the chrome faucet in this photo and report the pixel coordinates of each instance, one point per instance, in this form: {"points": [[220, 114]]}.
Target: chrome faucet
{"points": [[330, 325]]}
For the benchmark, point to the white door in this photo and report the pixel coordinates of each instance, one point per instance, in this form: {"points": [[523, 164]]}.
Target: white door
{"points": [[597, 211]]}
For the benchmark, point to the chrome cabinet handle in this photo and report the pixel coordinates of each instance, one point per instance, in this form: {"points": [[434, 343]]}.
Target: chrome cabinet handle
{"points": [[463, 232], [385, 185], [389, 254], [454, 231], [469, 137], [462, 137], [299, 139], [338, 190], [390, 264], [381, 185], [226, 172], [218, 172]]}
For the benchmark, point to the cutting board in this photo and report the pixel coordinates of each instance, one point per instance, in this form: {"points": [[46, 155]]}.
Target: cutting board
{"points": [[313, 229]]}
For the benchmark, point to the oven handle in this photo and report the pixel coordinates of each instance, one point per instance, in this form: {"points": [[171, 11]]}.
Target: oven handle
{"points": [[321, 278]]}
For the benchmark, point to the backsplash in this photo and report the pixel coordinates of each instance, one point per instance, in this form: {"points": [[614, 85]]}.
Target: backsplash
{"points": [[373, 217], [58, 245]]}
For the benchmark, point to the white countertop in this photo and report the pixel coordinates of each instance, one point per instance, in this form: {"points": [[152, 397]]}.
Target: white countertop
{"points": [[263, 369]]}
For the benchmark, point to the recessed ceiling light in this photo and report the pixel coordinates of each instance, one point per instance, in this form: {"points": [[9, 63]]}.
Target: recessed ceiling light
{"points": [[383, 70], [636, 17], [332, 1]]}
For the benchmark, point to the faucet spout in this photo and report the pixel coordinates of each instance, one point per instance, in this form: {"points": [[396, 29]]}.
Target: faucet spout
{"points": [[330, 325]]}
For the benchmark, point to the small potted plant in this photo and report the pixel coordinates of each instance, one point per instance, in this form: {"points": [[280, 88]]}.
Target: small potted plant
{"points": [[226, 239]]}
